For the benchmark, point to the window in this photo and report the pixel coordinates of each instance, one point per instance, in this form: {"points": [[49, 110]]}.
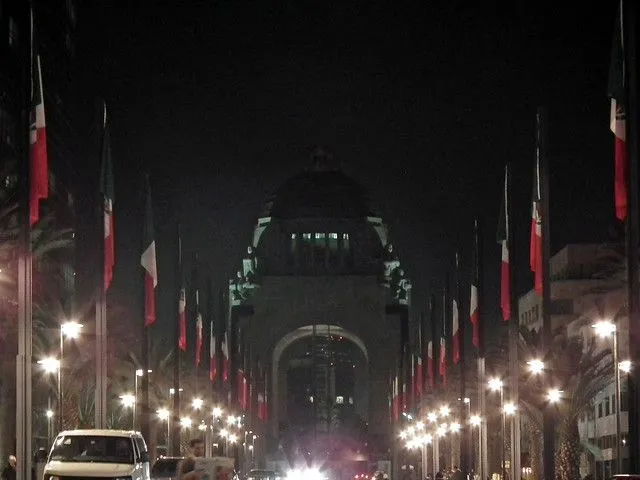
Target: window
{"points": [[71, 11], [613, 404], [339, 400], [607, 406], [294, 243], [345, 241], [92, 448], [600, 410], [319, 236], [333, 241]]}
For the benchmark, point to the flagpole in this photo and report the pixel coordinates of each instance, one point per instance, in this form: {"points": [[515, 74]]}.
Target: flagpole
{"points": [[633, 231], [547, 334], [466, 429], [177, 288], [145, 423], [101, 309], [25, 332], [483, 461], [514, 331]]}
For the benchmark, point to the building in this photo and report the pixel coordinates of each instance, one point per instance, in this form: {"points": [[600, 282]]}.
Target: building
{"points": [[321, 299], [588, 285]]}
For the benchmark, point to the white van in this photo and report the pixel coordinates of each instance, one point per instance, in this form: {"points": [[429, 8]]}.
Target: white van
{"points": [[108, 454]]}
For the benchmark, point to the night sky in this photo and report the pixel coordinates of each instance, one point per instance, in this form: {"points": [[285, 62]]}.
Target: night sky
{"points": [[222, 101]]}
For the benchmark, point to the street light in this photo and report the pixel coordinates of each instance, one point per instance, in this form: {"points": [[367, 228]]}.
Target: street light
{"points": [[496, 384], [70, 330], [138, 373], [536, 366], [625, 366], [197, 403], [603, 329], [185, 422], [554, 395]]}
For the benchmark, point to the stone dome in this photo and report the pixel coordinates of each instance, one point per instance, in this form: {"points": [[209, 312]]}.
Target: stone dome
{"points": [[323, 191]]}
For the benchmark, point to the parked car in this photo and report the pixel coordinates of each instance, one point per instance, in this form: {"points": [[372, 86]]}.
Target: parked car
{"points": [[109, 454], [166, 468]]}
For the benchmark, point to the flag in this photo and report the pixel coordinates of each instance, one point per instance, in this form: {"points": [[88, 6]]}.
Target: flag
{"points": [[503, 241], [455, 338], [443, 360], [148, 261], [106, 188], [617, 123], [38, 169], [395, 401], [198, 338], [225, 357], [182, 318], [419, 378], [430, 365], [535, 243], [474, 313], [241, 389], [213, 354]]}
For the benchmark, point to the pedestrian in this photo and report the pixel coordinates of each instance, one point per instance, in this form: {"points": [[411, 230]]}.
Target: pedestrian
{"points": [[9, 472], [457, 474], [188, 465]]}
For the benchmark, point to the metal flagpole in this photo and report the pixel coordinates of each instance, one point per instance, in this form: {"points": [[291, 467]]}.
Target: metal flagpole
{"points": [[483, 461], [25, 333], [548, 420], [101, 317], [630, 13], [175, 414], [514, 333]]}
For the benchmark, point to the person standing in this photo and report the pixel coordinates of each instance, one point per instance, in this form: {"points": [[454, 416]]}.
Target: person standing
{"points": [[9, 471], [188, 465]]}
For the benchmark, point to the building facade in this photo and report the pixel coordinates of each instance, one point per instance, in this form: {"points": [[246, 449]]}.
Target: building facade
{"points": [[321, 299]]}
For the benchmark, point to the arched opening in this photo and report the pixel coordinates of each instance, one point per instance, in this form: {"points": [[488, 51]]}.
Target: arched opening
{"points": [[320, 382]]}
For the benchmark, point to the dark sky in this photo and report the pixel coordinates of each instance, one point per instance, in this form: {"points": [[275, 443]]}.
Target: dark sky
{"points": [[222, 101]]}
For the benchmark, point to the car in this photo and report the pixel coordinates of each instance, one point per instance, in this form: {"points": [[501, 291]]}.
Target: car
{"points": [[166, 468], [108, 454]]}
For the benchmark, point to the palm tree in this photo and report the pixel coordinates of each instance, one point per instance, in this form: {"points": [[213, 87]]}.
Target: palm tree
{"points": [[47, 241]]}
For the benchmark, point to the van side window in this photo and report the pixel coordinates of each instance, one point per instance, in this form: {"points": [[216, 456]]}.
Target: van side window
{"points": [[141, 447]]}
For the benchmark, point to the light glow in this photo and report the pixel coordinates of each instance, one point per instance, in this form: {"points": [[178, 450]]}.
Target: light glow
{"points": [[604, 328], [163, 414], [71, 329], [625, 366], [495, 384], [49, 364], [536, 366]]}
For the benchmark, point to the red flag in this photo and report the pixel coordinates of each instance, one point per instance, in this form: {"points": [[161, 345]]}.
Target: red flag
{"points": [[617, 123], [213, 356], [455, 338], [419, 378], [503, 241], [225, 358], [395, 401], [443, 360], [38, 168], [182, 318], [148, 261], [535, 243], [198, 338], [106, 188], [430, 365]]}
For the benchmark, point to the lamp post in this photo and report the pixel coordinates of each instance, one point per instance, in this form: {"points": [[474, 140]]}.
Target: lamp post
{"points": [[138, 373], [495, 384], [49, 414], [52, 365], [165, 415], [604, 329], [129, 401], [476, 421], [70, 330]]}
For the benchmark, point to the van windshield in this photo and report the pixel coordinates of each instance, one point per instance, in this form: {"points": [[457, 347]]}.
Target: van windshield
{"points": [[93, 449]]}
